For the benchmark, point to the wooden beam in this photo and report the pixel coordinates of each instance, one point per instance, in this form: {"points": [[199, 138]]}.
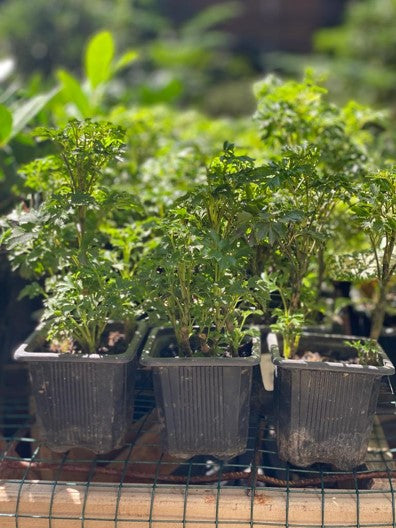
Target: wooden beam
{"points": [[234, 507]]}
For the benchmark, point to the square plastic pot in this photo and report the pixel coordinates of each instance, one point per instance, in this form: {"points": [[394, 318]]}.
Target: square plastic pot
{"points": [[203, 403], [82, 400], [325, 410]]}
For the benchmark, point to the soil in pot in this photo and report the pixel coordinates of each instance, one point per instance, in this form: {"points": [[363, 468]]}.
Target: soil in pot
{"points": [[203, 402], [114, 341], [83, 400], [325, 409]]}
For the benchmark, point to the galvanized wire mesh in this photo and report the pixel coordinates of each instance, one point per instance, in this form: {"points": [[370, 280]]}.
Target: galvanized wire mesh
{"points": [[141, 486]]}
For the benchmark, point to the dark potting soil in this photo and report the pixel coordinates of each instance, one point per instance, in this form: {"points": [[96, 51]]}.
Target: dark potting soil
{"points": [[113, 342], [172, 350], [332, 357]]}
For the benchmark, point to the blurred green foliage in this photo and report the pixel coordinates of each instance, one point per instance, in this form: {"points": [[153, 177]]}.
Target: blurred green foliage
{"points": [[178, 62], [357, 58], [167, 148], [362, 51], [44, 35]]}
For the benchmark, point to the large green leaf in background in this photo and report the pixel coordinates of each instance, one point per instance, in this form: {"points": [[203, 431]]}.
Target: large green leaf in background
{"points": [[25, 111], [99, 57], [5, 124], [126, 59], [74, 92]]}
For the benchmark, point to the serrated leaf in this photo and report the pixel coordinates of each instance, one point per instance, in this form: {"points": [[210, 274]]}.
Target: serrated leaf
{"points": [[273, 182], [19, 240], [98, 58], [31, 290], [292, 216]]}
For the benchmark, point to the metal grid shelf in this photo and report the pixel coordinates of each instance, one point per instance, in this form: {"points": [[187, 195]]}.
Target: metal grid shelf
{"points": [[140, 486]]}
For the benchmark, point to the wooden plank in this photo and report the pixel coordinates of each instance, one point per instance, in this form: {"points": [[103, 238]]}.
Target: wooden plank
{"points": [[234, 507]]}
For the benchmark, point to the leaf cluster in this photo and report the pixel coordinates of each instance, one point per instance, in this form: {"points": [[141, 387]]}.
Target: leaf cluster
{"points": [[367, 351]]}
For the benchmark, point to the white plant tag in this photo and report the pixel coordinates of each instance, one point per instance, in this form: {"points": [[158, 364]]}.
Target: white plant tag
{"points": [[267, 372]]}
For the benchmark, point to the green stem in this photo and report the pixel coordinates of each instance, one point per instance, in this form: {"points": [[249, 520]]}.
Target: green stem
{"points": [[378, 316]]}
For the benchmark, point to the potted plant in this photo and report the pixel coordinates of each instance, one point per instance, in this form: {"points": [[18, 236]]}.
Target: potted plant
{"points": [[196, 283], [326, 386], [319, 154], [83, 356]]}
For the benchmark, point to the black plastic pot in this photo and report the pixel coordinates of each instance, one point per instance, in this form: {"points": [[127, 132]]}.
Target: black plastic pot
{"points": [[325, 410], [82, 400], [203, 403]]}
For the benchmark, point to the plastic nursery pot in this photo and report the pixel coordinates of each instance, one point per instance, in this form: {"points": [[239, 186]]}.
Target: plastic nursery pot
{"points": [[203, 403], [325, 410], [82, 400]]}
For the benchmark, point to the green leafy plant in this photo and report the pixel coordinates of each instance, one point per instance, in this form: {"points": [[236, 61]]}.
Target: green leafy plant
{"points": [[61, 240], [79, 304], [89, 98], [195, 279], [180, 60], [294, 224], [376, 214], [196, 276], [367, 351], [373, 208], [65, 223], [319, 153]]}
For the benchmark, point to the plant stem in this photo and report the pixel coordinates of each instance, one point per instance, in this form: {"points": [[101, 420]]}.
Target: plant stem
{"points": [[321, 272], [384, 278], [378, 313], [184, 342]]}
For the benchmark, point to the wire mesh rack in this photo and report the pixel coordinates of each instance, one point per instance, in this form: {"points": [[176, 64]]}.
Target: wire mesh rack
{"points": [[140, 486]]}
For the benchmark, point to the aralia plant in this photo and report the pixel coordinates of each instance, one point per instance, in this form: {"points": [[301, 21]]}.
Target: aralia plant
{"points": [[56, 239], [195, 279]]}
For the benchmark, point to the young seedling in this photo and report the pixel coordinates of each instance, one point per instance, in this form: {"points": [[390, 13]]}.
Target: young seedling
{"points": [[79, 305], [367, 351], [295, 224]]}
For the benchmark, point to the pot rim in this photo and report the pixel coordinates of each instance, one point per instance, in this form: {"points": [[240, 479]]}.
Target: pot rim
{"points": [[148, 360], [24, 352], [387, 369]]}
